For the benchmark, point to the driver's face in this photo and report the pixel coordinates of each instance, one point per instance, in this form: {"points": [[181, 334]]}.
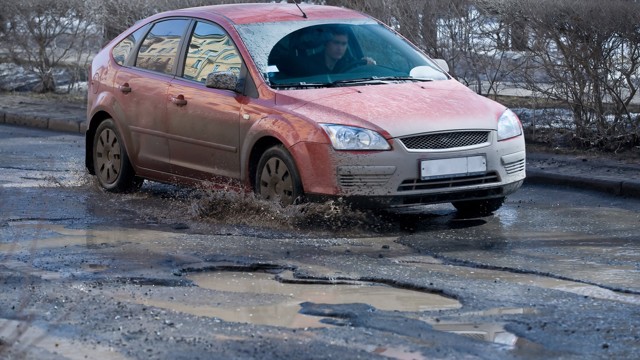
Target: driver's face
{"points": [[337, 47]]}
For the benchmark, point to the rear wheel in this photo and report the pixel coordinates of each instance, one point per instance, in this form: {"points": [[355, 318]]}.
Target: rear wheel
{"points": [[277, 178], [478, 207], [110, 161]]}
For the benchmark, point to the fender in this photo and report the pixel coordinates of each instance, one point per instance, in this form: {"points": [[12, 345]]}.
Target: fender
{"points": [[287, 129]]}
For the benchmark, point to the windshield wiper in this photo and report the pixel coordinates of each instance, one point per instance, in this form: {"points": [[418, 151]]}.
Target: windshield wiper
{"points": [[402, 78], [373, 80], [298, 85]]}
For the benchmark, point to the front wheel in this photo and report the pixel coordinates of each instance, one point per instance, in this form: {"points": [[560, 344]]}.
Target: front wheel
{"points": [[110, 161], [277, 178], [479, 207]]}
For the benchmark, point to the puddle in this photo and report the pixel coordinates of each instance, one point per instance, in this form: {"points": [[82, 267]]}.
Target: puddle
{"points": [[489, 332], [493, 332], [485, 332], [283, 308], [49, 236], [20, 178]]}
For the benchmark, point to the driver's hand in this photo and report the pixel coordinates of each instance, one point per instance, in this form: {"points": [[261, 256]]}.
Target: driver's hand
{"points": [[369, 60]]}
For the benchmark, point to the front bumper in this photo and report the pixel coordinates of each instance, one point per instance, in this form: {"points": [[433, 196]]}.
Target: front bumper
{"points": [[393, 178]]}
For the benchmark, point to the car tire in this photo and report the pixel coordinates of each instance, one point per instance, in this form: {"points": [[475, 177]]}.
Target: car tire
{"points": [[111, 162], [479, 207], [277, 177]]}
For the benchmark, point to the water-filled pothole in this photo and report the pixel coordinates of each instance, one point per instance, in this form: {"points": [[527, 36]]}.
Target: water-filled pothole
{"points": [[282, 308], [494, 332]]}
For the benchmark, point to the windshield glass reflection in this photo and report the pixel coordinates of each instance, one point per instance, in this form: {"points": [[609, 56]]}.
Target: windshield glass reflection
{"points": [[307, 54]]}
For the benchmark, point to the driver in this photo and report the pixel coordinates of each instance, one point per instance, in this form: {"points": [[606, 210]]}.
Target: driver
{"points": [[333, 60]]}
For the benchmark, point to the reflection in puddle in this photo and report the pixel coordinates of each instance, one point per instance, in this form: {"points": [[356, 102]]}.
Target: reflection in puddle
{"points": [[487, 331], [379, 296], [284, 310]]}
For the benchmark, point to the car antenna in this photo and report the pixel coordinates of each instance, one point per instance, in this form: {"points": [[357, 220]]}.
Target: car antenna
{"points": [[299, 8]]}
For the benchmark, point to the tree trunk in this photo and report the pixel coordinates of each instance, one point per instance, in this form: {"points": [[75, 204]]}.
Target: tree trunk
{"points": [[47, 83]]}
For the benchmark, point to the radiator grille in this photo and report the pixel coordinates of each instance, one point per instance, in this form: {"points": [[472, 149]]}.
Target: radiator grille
{"points": [[447, 140]]}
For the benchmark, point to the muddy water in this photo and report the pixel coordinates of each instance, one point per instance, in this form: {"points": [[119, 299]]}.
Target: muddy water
{"points": [[211, 203], [284, 312], [47, 236]]}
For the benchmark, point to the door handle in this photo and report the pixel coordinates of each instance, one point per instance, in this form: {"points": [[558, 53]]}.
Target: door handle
{"points": [[179, 100], [125, 88]]}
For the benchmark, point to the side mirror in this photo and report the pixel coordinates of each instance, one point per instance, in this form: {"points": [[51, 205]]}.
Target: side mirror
{"points": [[225, 80], [442, 64]]}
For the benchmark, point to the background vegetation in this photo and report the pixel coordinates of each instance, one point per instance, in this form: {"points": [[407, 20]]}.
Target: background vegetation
{"points": [[579, 55]]}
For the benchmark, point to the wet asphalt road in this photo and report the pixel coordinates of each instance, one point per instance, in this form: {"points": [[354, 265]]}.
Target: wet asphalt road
{"points": [[195, 273]]}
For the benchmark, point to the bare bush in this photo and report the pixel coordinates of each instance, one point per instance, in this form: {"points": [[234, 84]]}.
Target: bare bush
{"points": [[585, 54], [582, 54], [41, 35]]}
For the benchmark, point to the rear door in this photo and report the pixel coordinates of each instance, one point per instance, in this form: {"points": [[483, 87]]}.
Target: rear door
{"points": [[141, 89]]}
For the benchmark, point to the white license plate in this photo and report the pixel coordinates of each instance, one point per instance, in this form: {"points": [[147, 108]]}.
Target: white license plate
{"points": [[456, 167]]}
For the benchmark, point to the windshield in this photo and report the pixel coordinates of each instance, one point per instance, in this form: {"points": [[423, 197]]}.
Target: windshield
{"points": [[311, 54]]}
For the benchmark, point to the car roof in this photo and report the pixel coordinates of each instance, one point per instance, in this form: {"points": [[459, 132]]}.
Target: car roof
{"points": [[271, 12]]}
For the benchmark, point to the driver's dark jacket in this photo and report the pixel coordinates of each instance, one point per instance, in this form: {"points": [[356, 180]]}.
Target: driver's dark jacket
{"points": [[315, 65]]}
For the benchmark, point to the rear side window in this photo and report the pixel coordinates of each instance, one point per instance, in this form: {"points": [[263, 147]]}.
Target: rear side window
{"points": [[159, 49], [125, 48], [210, 50]]}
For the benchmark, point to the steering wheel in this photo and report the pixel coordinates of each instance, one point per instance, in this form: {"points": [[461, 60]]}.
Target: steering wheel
{"points": [[354, 64]]}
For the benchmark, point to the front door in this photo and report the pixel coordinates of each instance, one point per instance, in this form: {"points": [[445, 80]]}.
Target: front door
{"points": [[203, 123]]}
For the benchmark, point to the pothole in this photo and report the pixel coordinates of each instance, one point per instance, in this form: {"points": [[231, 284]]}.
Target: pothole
{"points": [[494, 332], [264, 300], [40, 235], [488, 332]]}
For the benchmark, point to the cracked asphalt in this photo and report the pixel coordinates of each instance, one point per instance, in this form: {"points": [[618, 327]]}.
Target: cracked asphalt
{"points": [[87, 274]]}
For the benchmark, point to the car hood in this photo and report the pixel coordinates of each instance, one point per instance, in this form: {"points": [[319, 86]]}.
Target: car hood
{"points": [[396, 110]]}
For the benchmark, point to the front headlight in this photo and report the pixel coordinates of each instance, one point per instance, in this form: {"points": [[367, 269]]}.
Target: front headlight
{"points": [[509, 126], [354, 138]]}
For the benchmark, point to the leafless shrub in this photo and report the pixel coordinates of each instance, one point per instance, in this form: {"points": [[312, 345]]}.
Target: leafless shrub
{"points": [[585, 54], [41, 35]]}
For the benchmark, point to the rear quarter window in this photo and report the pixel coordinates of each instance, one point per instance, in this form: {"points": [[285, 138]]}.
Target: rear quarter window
{"points": [[122, 52]]}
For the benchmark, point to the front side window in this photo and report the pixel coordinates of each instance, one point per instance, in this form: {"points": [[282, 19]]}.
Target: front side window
{"points": [[124, 49], [159, 49], [210, 50]]}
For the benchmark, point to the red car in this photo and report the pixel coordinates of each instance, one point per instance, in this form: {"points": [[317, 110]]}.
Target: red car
{"points": [[295, 103]]}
